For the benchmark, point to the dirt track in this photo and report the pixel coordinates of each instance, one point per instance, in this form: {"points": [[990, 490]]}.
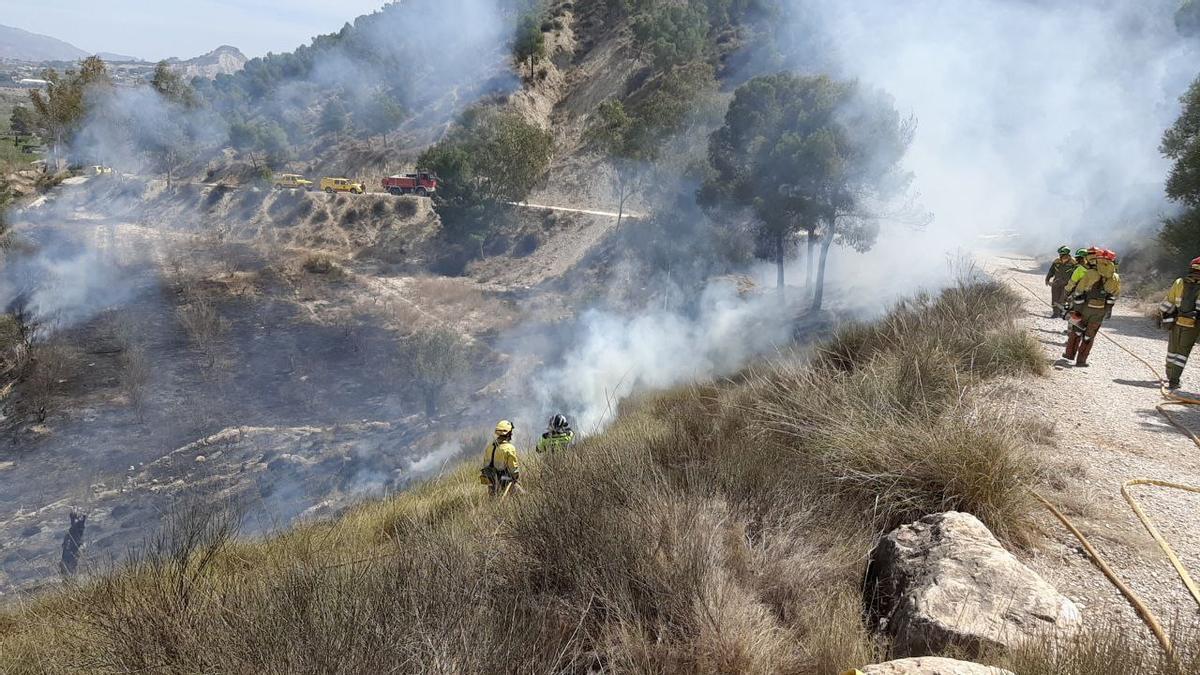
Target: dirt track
{"points": [[1108, 432]]}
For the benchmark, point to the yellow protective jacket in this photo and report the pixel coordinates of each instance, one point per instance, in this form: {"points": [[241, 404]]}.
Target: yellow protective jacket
{"points": [[1182, 292], [505, 457], [552, 442], [1102, 279], [1080, 270]]}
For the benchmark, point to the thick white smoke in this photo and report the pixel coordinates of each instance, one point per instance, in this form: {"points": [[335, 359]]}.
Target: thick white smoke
{"points": [[614, 355], [1035, 119]]}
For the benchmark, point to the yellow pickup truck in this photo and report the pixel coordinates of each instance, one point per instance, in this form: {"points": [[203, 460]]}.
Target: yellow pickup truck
{"points": [[292, 181], [332, 185]]}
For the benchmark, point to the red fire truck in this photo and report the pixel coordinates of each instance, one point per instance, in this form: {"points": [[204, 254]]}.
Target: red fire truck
{"points": [[421, 183]]}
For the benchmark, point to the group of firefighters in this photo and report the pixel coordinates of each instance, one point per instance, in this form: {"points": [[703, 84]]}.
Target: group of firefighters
{"points": [[502, 472], [1084, 288]]}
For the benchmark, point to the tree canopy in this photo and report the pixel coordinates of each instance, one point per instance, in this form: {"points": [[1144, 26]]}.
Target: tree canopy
{"points": [[171, 86], [489, 158], [62, 108], [1181, 143], [806, 154], [530, 43]]}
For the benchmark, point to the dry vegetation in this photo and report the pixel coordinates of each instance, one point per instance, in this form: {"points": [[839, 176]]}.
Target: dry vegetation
{"points": [[717, 528]]}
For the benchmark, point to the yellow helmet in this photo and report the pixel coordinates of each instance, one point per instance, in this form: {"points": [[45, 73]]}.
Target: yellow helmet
{"points": [[504, 428]]}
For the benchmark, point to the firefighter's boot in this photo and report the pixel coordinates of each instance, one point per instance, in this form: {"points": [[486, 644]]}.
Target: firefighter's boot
{"points": [[1072, 344], [1085, 348]]}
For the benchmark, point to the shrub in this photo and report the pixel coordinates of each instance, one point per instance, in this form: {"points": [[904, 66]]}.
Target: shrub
{"points": [[49, 367], [406, 208], [435, 359], [321, 263]]}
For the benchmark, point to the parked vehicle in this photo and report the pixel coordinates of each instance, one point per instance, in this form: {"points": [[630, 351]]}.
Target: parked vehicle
{"points": [[292, 181], [332, 185], [422, 183]]}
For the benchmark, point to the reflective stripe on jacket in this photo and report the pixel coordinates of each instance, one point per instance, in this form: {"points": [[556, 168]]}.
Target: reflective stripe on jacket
{"points": [[1180, 299]]}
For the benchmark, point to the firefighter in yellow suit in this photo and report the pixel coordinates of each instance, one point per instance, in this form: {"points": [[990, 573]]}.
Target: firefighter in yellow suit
{"points": [[502, 470], [1090, 299], [1179, 314]]}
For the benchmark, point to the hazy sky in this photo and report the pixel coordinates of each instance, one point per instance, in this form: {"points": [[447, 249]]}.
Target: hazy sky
{"points": [[184, 28]]}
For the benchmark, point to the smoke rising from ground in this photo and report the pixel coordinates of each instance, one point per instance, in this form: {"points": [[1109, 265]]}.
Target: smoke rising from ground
{"points": [[613, 355]]}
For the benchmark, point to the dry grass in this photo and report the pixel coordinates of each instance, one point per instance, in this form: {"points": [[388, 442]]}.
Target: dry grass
{"points": [[713, 529], [459, 293]]}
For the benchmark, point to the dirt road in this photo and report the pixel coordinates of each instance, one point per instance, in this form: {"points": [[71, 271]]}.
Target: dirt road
{"points": [[1108, 432]]}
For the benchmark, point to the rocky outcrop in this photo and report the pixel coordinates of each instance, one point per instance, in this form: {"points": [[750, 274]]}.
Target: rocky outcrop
{"points": [[945, 581], [223, 60], [931, 665]]}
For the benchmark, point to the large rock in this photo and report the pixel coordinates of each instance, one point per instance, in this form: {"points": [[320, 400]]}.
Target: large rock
{"points": [[945, 581], [931, 665]]}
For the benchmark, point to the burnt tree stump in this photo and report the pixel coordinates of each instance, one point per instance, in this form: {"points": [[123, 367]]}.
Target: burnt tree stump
{"points": [[72, 541]]}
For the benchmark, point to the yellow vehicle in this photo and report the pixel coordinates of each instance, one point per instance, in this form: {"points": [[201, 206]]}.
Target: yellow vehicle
{"points": [[332, 185], [292, 181]]}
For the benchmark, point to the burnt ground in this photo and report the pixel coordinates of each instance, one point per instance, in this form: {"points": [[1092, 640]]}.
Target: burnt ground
{"points": [[299, 403]]}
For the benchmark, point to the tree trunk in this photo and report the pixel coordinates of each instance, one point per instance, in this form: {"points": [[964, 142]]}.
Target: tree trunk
{"points": [[779, 239], [621, 196], [431, 403], [819, 290], [812, 245]]}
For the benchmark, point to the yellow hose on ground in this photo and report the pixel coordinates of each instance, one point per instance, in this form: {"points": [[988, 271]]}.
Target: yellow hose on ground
{"points": [[1172, 399]]}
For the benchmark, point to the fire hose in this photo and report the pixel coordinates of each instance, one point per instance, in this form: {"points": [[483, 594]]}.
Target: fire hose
{"points": [[1170, 399]]}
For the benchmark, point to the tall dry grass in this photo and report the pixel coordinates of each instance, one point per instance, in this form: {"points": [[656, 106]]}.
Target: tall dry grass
{"points": [[716, 529]]}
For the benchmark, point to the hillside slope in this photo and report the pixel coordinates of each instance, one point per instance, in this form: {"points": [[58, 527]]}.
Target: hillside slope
{"points": [[22, 45], [755, 559]]}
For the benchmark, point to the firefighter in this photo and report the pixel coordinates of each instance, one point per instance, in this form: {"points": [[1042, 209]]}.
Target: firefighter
{"points": [[1179, 315], [1089, 301], [1057, 278], [502, 470], [558, 435], [1112, 300], [1077, 273]]}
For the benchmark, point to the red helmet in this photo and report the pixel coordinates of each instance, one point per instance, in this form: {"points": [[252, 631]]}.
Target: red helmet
{"points": [[1196, 263], [1108, 255]]}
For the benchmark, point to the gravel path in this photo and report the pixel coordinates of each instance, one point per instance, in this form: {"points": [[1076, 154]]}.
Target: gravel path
{"points": [[1107, 431]]}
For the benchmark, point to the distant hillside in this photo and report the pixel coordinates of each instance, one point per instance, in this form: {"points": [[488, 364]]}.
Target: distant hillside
{"points": [[22, 45], [224, 60], [118, 58]]}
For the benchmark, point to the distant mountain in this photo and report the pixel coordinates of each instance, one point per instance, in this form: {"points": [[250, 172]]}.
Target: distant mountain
{"points": [[223, 60], [118, 58], [22, 45]]}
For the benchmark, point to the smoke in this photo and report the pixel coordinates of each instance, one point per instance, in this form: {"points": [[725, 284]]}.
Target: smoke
{"points": [[1036, 120], [1038, 124], [431, 57], [612, 355]]}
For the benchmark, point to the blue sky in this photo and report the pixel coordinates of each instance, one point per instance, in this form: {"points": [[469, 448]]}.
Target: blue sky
{"points": [[184, 28]]}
